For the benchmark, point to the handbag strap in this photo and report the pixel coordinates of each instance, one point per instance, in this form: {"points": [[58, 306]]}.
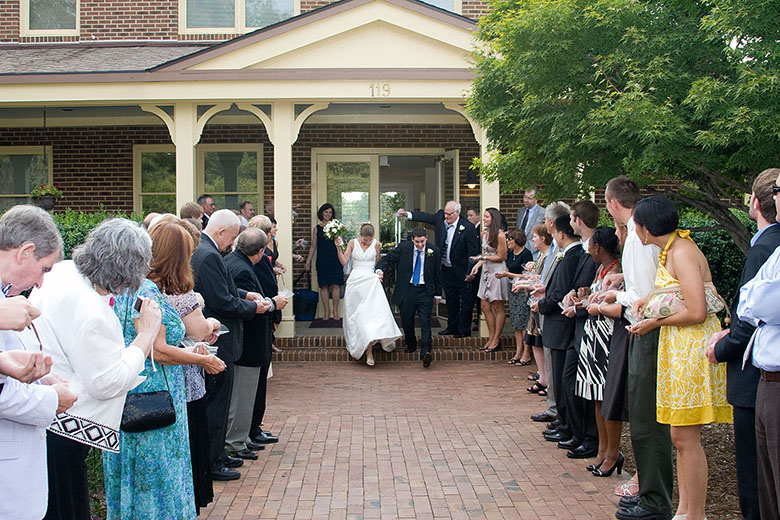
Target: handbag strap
{"points": [[124, 329]]}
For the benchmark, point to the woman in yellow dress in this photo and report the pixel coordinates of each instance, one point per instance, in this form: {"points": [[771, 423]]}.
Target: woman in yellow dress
{"points": [[690, 391]]}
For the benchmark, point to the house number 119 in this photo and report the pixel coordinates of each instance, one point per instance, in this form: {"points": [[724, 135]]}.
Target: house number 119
{"points": [[380, 89]]}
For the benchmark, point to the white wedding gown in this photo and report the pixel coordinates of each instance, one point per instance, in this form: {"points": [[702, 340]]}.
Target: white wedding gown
{"points": [[367, 315]]}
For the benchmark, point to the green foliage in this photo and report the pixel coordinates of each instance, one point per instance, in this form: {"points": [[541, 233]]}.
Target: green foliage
{"points": [[97, 494], [574, 92], [74, 226]]}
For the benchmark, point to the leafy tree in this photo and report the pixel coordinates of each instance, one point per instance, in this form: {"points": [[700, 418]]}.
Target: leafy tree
{"points": [[574, 92]]}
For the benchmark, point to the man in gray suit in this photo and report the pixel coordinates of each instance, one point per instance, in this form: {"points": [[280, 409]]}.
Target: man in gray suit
{"points": [[529, 216]]}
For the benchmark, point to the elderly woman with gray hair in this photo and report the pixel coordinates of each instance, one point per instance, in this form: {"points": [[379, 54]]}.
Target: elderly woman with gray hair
{"points": [[81, 333]]}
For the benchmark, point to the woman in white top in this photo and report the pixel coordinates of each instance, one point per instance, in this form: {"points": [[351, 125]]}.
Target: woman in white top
{"points": [[83, 336], [367, 315]]}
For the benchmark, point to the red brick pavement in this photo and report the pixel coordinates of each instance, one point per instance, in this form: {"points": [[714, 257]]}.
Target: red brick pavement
{"points": [[399, 441]]}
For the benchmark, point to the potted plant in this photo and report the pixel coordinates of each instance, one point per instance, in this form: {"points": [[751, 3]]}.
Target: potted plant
{"points": [[45, 195]]}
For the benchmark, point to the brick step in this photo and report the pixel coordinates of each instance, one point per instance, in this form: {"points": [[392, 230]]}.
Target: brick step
{"points": [[339, 342]]}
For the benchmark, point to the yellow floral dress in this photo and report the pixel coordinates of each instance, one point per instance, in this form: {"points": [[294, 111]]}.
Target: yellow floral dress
{"points": [[690, 390]]}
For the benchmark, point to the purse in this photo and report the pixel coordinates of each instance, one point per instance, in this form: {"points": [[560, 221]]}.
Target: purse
{"points": [[146, 411], [665, 302]]}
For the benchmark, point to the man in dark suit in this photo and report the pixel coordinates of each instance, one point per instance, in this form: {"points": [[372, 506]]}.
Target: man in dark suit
{"points": [[252, 367], [206, 202], [729, 346], [456, 240], [231, 307], [530, 215], [417, 285], [584, 217], [472, 215], [558, 329]]}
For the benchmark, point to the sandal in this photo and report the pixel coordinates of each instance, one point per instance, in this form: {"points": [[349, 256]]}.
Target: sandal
{"points": [[522, 363], [514, 361], [628, 489], [542, 392], [536, 388], [534, 376]]}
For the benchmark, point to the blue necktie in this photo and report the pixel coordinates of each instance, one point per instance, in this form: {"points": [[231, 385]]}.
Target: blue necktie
{"points": [[417, 270]]}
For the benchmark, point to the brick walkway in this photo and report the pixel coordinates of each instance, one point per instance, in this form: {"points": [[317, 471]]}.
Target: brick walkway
{"points": [[398, 441]]}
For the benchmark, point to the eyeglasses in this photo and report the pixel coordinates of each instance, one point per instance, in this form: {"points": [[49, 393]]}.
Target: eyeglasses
{"points": [[448, 213], [775, 189]]}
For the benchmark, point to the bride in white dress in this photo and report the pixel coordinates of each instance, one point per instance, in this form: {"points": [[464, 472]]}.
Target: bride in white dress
{"points": [[367, 315]]}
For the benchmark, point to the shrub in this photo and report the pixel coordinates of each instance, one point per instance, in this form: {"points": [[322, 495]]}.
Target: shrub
{"points": [[74, 226]]}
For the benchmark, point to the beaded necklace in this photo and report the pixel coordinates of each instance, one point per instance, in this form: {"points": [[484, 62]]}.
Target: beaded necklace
{"points": [[610, 266]]}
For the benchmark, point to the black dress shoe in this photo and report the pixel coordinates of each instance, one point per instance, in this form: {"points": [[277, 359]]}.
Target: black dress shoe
{"points": [[446, 332], [553, 425], [569, 444], [225, 474], [459, 335], [411, 349], [543, 417], [582, 452], [233, 462], [246, 454], [265, 438], [626, 502], [426, 359], [557, 437], [638, 512], [550, 431], [254, 446]]}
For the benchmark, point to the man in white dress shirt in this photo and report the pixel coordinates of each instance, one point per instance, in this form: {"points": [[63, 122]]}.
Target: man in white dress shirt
{"points": [[29, 246]]}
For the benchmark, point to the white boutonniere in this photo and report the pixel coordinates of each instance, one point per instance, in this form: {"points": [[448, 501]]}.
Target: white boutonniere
{"points": [[461, 228], [560, 256], [429, 252]]}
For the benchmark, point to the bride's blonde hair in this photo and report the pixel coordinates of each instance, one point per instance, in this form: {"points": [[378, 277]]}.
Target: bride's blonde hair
{"points": [[366, 230]]}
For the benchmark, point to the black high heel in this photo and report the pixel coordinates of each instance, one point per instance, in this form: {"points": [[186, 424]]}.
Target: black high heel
{"points": [[593, 467], [608, 473]]}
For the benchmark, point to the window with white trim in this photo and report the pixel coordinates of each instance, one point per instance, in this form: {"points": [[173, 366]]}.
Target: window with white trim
{"points": [[231, 173], [233, 16], [154, 179], [49, 17], [22, 168]]}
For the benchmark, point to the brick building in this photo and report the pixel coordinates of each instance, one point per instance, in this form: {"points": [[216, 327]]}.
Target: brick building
{"points": [[140, 106]]}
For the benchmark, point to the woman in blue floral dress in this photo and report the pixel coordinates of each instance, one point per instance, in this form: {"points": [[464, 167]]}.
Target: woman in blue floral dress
{"points": [[151, 476]]}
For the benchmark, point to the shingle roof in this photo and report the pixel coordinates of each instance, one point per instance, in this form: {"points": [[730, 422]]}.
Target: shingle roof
{"points": [[84, 57]]}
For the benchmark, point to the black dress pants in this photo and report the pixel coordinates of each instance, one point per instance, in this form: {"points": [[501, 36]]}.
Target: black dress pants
{"points": [[419, 301], [258, 411], [558, 361], [68, 488], [747, 466], [580, 413], [459, 301], [768, 448], [219, 390]]}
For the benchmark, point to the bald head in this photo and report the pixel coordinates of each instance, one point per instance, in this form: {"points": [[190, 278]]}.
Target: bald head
{"points": [[223, 227]]}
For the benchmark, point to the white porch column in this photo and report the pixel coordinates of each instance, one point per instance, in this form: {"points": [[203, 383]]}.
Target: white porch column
{"points": [[489, 193], [186, 139]]}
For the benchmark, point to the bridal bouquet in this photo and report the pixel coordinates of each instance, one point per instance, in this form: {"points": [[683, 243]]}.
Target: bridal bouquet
{"points": [[334, 229]]}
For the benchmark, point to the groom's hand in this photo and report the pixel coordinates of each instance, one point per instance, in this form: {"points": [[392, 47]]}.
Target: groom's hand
{"points": [[380, 274]]}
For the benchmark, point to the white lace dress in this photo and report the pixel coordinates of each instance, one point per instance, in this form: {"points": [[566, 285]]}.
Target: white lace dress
{"points": [[367, 315]]}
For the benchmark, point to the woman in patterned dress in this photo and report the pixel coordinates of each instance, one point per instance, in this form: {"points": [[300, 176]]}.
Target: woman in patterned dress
{"points": [[151, 476], [517, 258], [690, 391], [595, 351]]}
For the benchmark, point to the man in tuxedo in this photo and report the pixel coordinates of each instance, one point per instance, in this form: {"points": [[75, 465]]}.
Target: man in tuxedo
{"points": [[558, 329], [252, 366], [472, 215], [729, 346], [457, 241], [231, 307], [417, 286], [206, 202], [584, 218], [530, 215]]}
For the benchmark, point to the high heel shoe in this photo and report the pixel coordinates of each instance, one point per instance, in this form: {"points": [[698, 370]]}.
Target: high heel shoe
{"points": [[593, 467], [494, 349], [370, 362], [608, 473]]}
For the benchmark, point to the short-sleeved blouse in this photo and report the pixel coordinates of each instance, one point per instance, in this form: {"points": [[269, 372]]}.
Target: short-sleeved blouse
{"points": [[194, 380]]}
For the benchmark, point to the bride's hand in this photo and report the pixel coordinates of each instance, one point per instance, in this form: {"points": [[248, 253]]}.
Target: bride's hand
{"points": [[339, 241]]}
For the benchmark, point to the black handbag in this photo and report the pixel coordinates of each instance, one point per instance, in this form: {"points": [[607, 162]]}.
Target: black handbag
{"points": [[146, 411], [304, 300]]}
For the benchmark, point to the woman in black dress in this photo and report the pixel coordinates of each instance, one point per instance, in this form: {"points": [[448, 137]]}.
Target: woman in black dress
{"points": [[517, 257], [596, 358], [330, 272]]}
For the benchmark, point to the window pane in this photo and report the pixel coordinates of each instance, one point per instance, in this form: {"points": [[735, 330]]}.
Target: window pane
{"points": [[347, 188], [231, 172], [158, 172], [211, 13], [234, 201], [449, 5], [158, 204], [260, 13], [20, 173], [52, 14]]}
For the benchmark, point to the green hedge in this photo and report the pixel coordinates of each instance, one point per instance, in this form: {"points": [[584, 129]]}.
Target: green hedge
{"points": [[74, 226]]}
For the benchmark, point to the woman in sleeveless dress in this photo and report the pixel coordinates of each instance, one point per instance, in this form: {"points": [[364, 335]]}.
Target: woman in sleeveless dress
{"points": [[367, 315], [330, 274], [493, 291], [690, 391]]}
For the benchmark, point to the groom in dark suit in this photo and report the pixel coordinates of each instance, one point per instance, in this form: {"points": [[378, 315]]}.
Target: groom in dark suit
{"points": [[458, 242], [417, 285]]}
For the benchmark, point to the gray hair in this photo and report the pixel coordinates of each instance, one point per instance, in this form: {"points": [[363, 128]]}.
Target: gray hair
{"points": [[556, 209], [455, 205], [26, 224], [251, 241], [261, 222], [222, 219], [116, 256]]}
